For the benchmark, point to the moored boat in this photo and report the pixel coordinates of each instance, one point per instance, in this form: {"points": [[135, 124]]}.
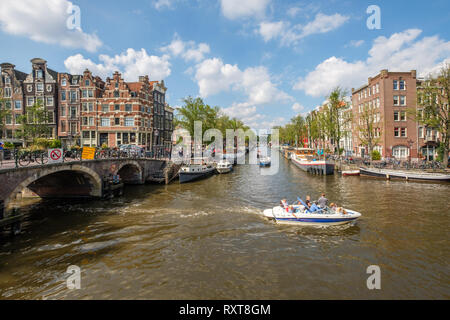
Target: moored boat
{"points": [[307, 160], [347, 173], [195, 171], [264, 162], [398, 174], [224, 166]]}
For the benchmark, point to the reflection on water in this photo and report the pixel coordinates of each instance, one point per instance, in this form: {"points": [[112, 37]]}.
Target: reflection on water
{"points": [[206, 240]]}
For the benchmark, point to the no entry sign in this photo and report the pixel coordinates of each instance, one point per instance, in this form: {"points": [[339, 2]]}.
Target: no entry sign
{"points": [[55, 155]]}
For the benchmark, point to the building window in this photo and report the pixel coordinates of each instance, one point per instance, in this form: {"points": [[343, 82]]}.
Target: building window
{"points": [[63, 111], [8, 119], [104, 122], [117, 107], [85, 134], [402, 85], [30, 101], [128, 107], [85, 121], [403, 132], [396, 101], [63, 126], [17, 104], [7, 93], [116, 94], [63, 82], [63, 95], [129, 122], [420, 132], [90, 93], [7, 80], [91, 121], [403, 100], [396, 116], [49, 101], [39, 74], [73, 96], [117, 121], [395, 85], [105, 107], [40, 87], [402, 115], [87, 83], [396, 132], [84, 107], [91, 106], [400, 152]]}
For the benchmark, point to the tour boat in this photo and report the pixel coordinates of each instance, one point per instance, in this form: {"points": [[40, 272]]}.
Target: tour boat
{"points": [[302, 216], [307, 160], [398, 174], [224, 166], [347, 173], [195, 171], [264, 162]]}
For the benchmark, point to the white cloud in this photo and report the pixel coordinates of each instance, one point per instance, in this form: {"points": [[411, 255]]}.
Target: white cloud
{"points": [[290, 35], [131, 63], [355, 43], [160, 4], [188, 50], [235, 9], [213, 76], [44, 21], [402, 51], [271, 30], [293, 11], [297, 107]]}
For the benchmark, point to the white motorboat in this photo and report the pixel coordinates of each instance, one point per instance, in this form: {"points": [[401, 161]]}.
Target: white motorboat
{"points": [[224, 166], [302, 216], [264, 162]]}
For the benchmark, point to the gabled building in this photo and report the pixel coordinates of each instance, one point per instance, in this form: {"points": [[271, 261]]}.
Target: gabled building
{"points": [[11, 85], [40, 86]]}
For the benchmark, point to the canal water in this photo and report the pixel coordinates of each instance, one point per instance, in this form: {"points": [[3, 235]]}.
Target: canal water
{"points": [[206, 240]]}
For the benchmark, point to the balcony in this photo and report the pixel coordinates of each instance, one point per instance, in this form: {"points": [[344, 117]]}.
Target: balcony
{"points": [[431, 138]]}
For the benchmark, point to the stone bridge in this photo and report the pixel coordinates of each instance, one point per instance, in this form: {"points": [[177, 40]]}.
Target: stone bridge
{"points": [[72, 179]]}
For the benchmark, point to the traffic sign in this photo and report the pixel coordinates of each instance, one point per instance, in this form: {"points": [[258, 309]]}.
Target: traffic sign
{"points": [[88, 153], [55, 155]]}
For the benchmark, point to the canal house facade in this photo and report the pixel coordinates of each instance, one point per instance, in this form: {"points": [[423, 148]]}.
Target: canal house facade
{"points": [[11, 86], [390, 96]]}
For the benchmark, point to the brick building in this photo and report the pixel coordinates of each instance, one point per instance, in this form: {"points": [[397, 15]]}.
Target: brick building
{"points": [[11, 84], [124, 113], [391, 96], [87, 111], [40, 86]]}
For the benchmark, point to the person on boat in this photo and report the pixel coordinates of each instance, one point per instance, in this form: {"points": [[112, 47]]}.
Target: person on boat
{"points": [[308, 201], [291, 209], [323, 202], [313, 207], [284, 203], [333, 206]]}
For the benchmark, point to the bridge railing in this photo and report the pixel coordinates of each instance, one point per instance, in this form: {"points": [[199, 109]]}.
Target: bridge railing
{"points": [[17, 158]]}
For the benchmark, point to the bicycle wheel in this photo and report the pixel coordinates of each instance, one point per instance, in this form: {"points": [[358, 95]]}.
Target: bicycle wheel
{"points": [[24, 160], [43, 158]]}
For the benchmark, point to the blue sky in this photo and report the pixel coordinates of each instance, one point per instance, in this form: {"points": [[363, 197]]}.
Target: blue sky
{"points": [[263, 61]]}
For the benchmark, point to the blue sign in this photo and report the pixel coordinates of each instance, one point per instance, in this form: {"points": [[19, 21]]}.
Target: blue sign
{"points": [[1, 145]]}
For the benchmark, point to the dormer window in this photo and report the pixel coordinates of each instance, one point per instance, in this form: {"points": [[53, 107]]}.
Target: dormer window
{"points": [[87, 83], [39, 74], [7, 80], [64, 82]]}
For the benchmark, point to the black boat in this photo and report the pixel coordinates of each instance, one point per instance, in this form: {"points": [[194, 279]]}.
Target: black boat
{"points": [[194, 172]]}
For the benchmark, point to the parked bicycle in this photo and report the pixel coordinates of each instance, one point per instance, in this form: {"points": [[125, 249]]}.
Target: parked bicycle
{"points": [[27, 157]]}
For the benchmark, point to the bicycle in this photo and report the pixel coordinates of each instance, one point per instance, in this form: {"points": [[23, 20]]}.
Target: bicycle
{"points": [[27, 157]]}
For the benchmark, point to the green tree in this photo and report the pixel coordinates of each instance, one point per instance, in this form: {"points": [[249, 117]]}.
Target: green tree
{"points": [[196, 110], [368, 127], [433, 101], [34, 124], [4, 112]]}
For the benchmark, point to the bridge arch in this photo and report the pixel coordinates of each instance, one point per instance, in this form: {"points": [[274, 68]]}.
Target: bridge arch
{"points": [[130, 172], [68, 181]]}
